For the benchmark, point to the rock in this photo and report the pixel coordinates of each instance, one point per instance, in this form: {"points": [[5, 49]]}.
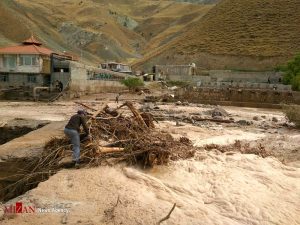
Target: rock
{"points": [[256, 118], [147, 107], [218, 117], [151, 98], [264, 117], [178, 124], [178, 103], [173, 88], [274, 119], [127, 21], [243, 122], [219, 112]]}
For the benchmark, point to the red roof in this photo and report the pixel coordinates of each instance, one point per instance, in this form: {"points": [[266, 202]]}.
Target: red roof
{"points": [[31, 41], [30, 46]]}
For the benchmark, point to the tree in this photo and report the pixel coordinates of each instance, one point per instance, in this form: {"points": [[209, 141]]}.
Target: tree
{"points": [[292, 73], [132, 82]]}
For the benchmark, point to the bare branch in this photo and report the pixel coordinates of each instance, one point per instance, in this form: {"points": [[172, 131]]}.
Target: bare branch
{"points": [[167, 216]]}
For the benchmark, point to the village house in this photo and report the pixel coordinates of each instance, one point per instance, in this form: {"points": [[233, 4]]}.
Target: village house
{"points": [[25, 65], [174, 72], [116, 67], [30, 69]]}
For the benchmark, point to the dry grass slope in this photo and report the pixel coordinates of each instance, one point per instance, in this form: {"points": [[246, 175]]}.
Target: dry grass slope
{"points": [[236, 34], [246, 27], [96, 27], [9, 20]]}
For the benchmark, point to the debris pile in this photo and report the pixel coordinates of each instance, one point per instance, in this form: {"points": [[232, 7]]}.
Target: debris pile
{"points": [[115, 138], [130, 138], [238, 146]]}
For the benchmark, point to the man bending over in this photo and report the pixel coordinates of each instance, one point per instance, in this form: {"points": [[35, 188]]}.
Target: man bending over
{"points": [[72, 130]]}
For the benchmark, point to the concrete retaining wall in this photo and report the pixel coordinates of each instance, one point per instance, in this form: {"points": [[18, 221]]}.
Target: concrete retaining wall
{"points": [[244, 85], [228, 78], [170, 70], [240, 76], [239, 97], [82, 80]]}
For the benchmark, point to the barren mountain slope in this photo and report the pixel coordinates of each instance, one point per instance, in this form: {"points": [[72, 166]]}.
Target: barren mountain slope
{"points": [[9, 20], [169, 23], [96, 29], [254, 30], [199, 1]]}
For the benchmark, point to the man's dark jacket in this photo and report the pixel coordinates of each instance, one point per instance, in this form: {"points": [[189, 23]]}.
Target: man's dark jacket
{"points": [[75, 122]]}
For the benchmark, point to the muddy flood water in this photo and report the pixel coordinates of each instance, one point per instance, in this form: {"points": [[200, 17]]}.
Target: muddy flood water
{"points": [[221, 184]]}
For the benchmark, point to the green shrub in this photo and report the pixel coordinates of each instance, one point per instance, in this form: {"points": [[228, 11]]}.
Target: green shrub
{"points": [[295, 82], [132, 82], [177, 83], [292, 112], [292, 73]]}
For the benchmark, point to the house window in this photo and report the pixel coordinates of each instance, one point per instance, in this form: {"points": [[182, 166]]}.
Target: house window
{"points": [[9, 61], [29, 60], [4, 78], [31, 78]]}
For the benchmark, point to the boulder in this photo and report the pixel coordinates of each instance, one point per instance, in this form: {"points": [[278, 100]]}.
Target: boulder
{"points": [[219, 112], [256, 118], [244, 122]]}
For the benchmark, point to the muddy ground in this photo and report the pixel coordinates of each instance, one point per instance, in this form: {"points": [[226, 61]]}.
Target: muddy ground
{"points": [[219, 185]]}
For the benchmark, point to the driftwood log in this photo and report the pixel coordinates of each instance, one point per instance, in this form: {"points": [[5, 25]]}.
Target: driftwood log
{"points": [[136, 114], [109, 149], [85, 106]]}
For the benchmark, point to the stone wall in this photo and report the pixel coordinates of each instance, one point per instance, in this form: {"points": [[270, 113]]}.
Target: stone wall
{"points": [[243, 76], [244, 85], [229, 78], [238, 97]]}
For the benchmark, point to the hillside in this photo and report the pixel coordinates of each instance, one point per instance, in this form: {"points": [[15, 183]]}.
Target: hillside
{"points": [[238, 34], [199, 1], [97, 29], [234, 34]]}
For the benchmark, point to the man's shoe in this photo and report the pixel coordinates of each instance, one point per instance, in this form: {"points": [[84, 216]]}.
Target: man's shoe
{"points": [[77, 165]]}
